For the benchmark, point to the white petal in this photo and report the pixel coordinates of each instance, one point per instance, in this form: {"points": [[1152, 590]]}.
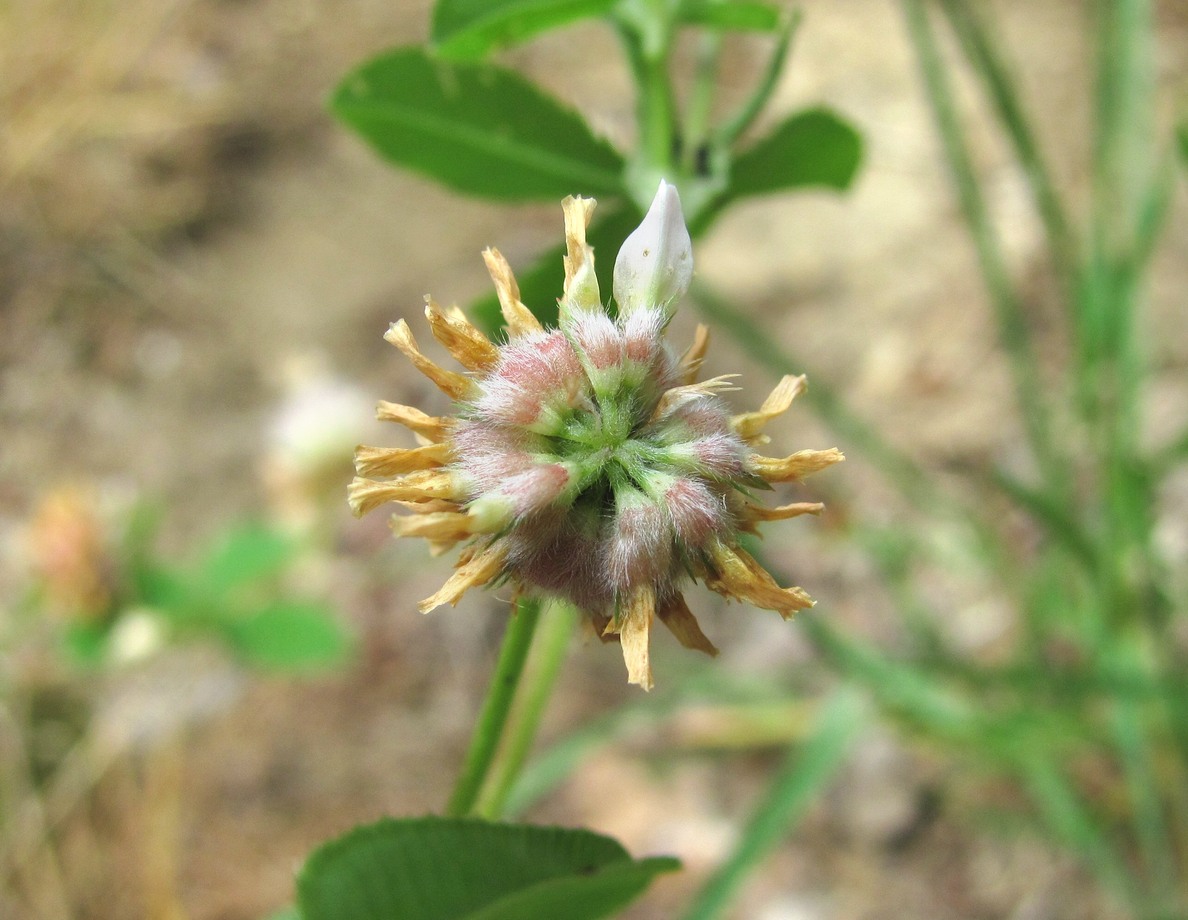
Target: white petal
{"points": [[655, 265]]}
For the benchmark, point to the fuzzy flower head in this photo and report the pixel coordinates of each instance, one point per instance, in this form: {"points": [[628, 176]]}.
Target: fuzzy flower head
{"points": [[587, 462]]}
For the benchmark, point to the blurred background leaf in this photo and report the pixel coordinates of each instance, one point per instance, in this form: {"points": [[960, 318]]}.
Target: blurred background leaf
{"points": [[469, 29]]}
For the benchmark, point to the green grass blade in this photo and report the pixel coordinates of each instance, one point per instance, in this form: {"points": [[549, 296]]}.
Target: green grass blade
{"points": [[806, 771], [1074, 825], [1013, 330], [550, 768], [1051, 515], [732, 129], [984, 57], [1133, 743]]}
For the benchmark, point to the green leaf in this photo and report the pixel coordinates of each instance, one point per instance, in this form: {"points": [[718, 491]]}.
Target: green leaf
{"points": [[244, 554], [541, 285], [290, 636], [1182, 142], [735, 15], [482, 130], [814, 147], [86, 643], [468, 29], [463, 869], [165, 588]]}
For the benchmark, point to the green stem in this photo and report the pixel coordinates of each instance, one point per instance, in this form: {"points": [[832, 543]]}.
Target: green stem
{"points": [[493, 717], [657, 116], [645, 28], [548, 654], [804, 773], [701, 100], [732, 129]]}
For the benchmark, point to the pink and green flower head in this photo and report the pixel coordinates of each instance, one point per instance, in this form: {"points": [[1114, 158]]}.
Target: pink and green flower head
{"points": [[587, 462]]}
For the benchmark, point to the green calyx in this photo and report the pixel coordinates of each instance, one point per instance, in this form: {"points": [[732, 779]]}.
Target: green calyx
{"points": [[608, 446]]}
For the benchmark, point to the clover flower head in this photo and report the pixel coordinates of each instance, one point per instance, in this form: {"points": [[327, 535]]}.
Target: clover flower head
{"points": [[588, 462]]}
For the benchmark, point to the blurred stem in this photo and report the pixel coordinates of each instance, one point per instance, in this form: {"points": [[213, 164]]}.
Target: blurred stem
{"points": [[657, 113], [1132, 738], [1125, 219], [493, 717], [30, 857], [1072, 823], [733, 128], [980, 51], [540, 676], [804, 773], [701, 101], [645, 28], [1012, 325]]}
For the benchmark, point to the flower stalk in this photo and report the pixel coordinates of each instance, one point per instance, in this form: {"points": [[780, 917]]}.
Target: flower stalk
{"points": [[494, 715]]}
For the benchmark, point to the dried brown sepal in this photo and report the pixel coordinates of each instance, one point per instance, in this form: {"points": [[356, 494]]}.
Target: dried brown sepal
{"points": [[753, 511], [453, 385], [634, 627], [518, 317], [433, 428], [393, 461], [676, 615], [477, 569], [795, 466], [749, 425], [678, 396], [430, 504], [691, 360], [367, 494], [461, 338], [436, 526], [601, 624], [734, 573], [581, 284]]}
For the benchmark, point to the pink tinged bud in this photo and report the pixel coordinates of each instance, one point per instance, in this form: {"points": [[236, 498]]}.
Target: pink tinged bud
{"points": [[655, 265], [696, 512], [597, 338], [504, 402], [600, 345], [640, 547], [536, 488], [690, 415], [642, 331], [533, 385], [716, 456], [561, 555], [488, 455]]}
